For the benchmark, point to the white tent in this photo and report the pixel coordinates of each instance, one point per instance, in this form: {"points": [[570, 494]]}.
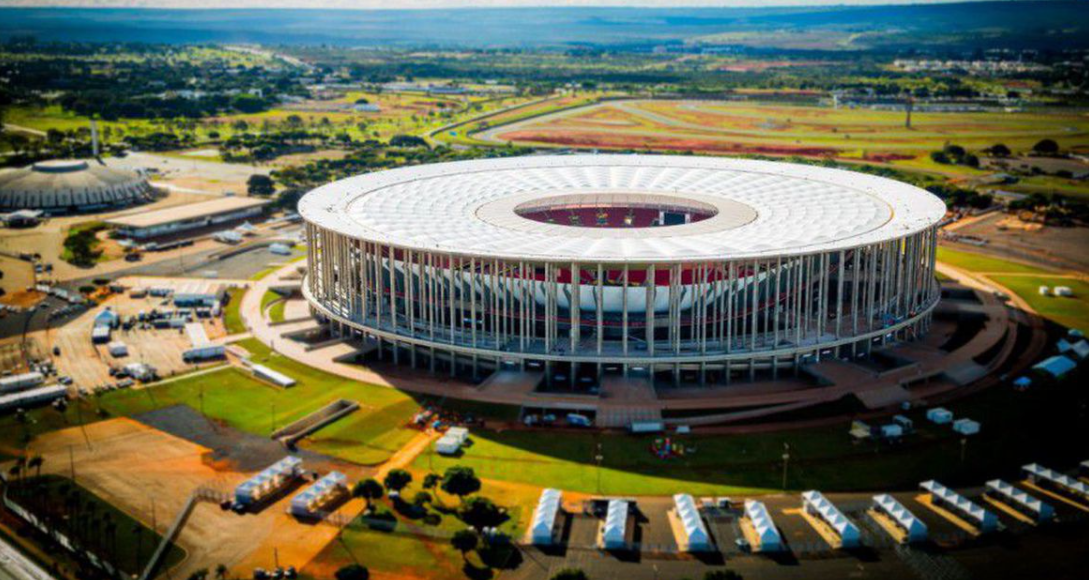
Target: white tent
{"points": [[770, 541], [614, 536], [1038, 473], [815, 503], [447, 445], [1024, 502], [313, 498], [544, 518], [966, 426], [939, 415], [912, 526], [695, 532], [1056, 366], [976, 515]]}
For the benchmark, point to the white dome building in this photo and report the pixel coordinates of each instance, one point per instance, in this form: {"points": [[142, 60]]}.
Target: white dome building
{"points": [[70, 186]]}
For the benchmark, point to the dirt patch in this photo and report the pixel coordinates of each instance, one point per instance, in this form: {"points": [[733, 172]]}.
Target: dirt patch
{"points": [[228, 448], [150, 474]]}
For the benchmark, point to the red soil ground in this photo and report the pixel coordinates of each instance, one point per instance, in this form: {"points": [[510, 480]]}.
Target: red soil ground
{"points": [[617, 141]]}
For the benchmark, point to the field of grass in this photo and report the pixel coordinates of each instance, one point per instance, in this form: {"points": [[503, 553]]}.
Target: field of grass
{"points": [[232, 315], [781, 129], [1025, 281], [231, 395], [130, 544], [1071, 312], [980, 263], [417, 545], [822, 458]]}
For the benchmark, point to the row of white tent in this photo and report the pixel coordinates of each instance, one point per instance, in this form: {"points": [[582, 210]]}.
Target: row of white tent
{"points": [[312, 499], [766, 532], [543, 526], [814, 503], [1041, 475], [1020, 500], [697, 538], [695, 532], [268, 481], [614, 535], [914, 528], [981, 518]]}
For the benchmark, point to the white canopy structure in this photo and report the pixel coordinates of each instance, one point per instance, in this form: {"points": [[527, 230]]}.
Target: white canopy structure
{"points": [[1023, 502], [268, 481], [816, 504], [1049, 477], [984, 520], [766, 532], [544, 517], [695, 531], [614, 535], [913, 527], [939, 415], [313, 498]]}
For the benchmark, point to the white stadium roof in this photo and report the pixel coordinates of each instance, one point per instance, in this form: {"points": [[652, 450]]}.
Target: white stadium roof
{"points": [[763, 208]]}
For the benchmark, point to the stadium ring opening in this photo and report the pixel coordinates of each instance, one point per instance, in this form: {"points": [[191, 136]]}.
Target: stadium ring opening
{"points": [[585, 264]]}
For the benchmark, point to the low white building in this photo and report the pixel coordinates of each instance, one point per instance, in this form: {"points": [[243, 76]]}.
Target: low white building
{"points": [[542, 528], [614, 532], [696, 537]]}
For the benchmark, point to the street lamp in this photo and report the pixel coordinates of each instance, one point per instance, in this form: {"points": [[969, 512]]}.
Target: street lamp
{"points": [[599, 458], [786, 462]]}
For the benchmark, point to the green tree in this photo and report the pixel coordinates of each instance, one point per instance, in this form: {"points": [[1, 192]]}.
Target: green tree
{"points": [[460, 481], [431, 480], [570, 574], [368, 489], [397, 479], [260, 185], [480, 513], [721, 575], [352, 572], [464, 541], [1046, 147], [421, 499], [1000, 150]]}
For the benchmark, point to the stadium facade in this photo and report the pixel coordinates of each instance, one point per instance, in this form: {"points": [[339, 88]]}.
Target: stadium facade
{"points": [[584, 264]]}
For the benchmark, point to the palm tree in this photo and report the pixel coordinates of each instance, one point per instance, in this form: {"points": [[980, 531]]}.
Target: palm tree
{"points": [[35, 463], [138, 531]]}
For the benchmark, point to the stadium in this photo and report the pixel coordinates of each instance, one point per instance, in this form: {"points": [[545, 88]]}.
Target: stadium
{"points": [[679, 267]]}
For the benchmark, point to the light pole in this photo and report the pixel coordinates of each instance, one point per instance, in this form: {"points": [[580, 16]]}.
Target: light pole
{"points": [[599, 458], [963, 449], [786, 462]]}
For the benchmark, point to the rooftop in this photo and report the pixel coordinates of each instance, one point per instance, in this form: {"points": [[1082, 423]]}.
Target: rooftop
{"points": [[186, 212], [746, 208]]}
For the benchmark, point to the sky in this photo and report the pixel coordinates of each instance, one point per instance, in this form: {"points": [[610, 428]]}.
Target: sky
{"points": [[431, 4]]}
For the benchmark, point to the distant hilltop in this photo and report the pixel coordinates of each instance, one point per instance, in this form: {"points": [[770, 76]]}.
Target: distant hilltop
{"points": [[954, 26]]}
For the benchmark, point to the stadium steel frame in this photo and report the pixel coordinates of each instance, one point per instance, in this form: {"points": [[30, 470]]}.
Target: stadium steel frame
{"points": [[724, 316]]}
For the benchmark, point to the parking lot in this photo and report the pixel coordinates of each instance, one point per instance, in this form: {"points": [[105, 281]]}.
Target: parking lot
{"points": [[88, 365]]}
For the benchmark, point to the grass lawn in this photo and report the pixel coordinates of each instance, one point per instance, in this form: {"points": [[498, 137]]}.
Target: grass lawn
{"points": [[276, 311], [1071, 312], [822, 458], [981, 263], [128, 547], [418, 546], [368, 436], [232, 315]]}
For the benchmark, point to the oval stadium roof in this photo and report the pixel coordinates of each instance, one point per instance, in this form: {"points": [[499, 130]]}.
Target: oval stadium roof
{"points": [[763, 208]]}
